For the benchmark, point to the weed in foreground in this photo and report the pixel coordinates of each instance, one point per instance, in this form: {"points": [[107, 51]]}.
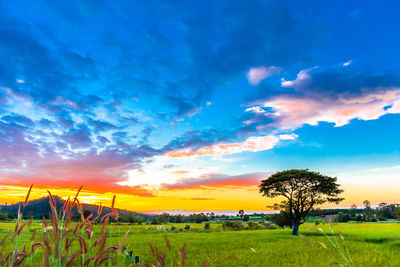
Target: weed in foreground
{"points": [[337, 242], [59, 235]]}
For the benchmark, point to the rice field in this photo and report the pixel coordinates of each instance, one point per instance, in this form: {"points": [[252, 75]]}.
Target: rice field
{"points": [[369, 244]]}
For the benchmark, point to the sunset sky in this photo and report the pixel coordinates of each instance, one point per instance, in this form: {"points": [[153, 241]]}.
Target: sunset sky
{"points": [[188, 105]]}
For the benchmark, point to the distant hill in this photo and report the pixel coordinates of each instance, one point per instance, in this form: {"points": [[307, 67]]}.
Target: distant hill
{"points": [[41, 207]]}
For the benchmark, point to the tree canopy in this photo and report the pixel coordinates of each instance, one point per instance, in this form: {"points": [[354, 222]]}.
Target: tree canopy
{"points": [[301, 191]]}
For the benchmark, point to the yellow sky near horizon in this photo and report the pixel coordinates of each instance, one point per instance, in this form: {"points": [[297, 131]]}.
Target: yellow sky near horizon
{"points": [[206, 199]]}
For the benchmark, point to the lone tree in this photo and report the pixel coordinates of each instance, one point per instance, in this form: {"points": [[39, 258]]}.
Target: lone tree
{"points": [[301, 190], [241, 213]]}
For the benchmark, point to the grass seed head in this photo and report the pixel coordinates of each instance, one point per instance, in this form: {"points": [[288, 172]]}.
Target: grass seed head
{"points": [[27, 196]]}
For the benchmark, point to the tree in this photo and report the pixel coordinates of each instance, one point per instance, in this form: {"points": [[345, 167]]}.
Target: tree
{"points": [[342, 217], [281, 219], [397, 210], [368, 212], [353, 211], [241, 213], [302, 190], [386, 211]]}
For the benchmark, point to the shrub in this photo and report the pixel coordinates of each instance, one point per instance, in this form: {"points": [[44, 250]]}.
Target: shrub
{"points": [[397, 211], [317, 222], [232, 225], [254, 226], [281, 219], [341, 217], [187, 227], [270, 226], [207, 226]]}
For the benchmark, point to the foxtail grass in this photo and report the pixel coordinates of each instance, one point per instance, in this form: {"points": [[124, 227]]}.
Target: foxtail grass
{"points": [[337, 242], [64, 243]]}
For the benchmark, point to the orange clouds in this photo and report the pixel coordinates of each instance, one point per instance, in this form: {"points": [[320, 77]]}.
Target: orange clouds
{"points": [[96, 186]]}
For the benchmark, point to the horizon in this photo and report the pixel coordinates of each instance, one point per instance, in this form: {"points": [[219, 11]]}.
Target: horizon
{"points": [[185, 212], [188, 106]]}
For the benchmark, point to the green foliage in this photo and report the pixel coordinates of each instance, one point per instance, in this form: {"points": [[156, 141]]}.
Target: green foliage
{"points": [[232, 225], [370, 244], [397, 210], [241, 213], [254, 226], [167, 218], [302, 190], [385, 211], [281, 219], [341, 217], [187, 227], [368, 211], [207, 226]]}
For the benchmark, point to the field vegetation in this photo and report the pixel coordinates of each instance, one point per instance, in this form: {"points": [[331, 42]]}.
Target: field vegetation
{"points": [[99, 239]]}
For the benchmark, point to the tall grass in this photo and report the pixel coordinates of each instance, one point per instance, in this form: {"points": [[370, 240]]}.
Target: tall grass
{"points": [[337, 242], [63, 243]]}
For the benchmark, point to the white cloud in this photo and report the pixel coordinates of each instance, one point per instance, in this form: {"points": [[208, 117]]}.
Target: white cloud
{"points": [[303, 78], [291, 136], [255, 109], [290, 112], [253, 144], [256, 74], [164, 169], [347, 63]]}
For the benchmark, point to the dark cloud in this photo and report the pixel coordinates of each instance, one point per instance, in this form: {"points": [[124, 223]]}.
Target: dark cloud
{"points": [[101, 125], [66, 61], [335, 81], [18, 119], [78, 137]]}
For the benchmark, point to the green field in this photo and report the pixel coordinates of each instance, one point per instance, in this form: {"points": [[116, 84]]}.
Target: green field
{"points": [[370, 244]]}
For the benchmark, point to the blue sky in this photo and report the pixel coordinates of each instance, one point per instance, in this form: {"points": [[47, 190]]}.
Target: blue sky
{"points": [[150, 96]]}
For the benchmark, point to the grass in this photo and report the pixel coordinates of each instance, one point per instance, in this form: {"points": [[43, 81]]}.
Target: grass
{"points": [[370, 244], [97, 242]]}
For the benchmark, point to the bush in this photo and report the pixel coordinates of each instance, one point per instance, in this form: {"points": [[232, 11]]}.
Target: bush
{"points": [[187, 227], [254, 226], [232, 225], [341, 217], [270, 226], [317, 222], [281, 219], [207, 226]]}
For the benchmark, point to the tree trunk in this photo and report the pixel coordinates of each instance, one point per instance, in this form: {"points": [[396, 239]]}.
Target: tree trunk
{"points": [[295, 228]]}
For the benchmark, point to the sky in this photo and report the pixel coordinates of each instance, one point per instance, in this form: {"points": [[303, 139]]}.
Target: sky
{"points": [[188, 105]]}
